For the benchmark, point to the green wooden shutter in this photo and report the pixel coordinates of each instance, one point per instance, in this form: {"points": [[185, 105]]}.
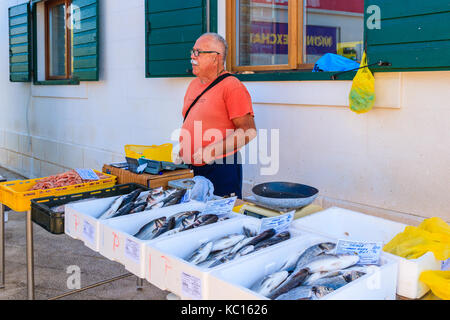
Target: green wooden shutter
{"points": [[171, 30], [19, 43], [414, 35], [85, 54]]}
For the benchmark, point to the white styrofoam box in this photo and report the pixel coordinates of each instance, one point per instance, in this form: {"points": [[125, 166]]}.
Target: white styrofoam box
{"points": [[167, 269], [120, 245], [342, 223], [81, 220], [233, 281]]}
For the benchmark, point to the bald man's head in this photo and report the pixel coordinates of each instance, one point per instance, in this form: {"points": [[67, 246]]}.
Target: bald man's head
{"points": [[218, 42]]}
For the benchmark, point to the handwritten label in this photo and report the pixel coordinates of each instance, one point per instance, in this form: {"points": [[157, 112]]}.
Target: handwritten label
{"points": [[191, 286], [87, 174], [167, 264], [368, 252], [222, 207], [132, 250], [115, 241], [88, 231], [445, 265], [279, 223]]}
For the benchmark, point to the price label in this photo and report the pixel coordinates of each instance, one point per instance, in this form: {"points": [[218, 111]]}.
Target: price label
{"points": [[368, 252], [279, 223], [221, 207], [88, 231], [132, 250], [87, 174], [191, 286]]}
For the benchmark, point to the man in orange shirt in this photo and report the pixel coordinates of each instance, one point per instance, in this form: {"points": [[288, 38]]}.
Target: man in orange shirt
{"points": [[220, 122]]}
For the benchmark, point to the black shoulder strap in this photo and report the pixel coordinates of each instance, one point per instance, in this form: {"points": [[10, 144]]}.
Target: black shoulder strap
{"points": [[220, 78]]}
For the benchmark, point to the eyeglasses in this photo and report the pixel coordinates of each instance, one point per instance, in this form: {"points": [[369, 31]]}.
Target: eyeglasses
{"points": [[197, 52]]}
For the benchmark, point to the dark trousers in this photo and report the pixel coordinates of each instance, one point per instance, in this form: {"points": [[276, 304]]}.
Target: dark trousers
{"points": [[226, 178]]}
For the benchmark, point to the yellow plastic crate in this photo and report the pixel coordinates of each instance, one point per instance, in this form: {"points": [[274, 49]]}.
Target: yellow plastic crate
{"points": [[154, 152], [15, 194]]}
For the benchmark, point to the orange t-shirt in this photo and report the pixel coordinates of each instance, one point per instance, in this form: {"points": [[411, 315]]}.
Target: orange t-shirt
{"points": [[211, 116]]}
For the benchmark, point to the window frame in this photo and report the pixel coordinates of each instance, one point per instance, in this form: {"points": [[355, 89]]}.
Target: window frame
{"points": [[68, 35], [295, 40]]}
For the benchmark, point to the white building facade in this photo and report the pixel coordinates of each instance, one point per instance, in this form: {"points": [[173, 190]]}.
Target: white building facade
{"points": [[393, 161]]}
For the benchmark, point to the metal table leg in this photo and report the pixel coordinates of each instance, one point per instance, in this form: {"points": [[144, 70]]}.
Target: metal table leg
{"points": [[2, 245], [30, 257], [139, 283]]}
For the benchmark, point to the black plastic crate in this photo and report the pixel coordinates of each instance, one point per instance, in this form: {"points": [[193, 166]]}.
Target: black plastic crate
{"points": [[53, 222]]}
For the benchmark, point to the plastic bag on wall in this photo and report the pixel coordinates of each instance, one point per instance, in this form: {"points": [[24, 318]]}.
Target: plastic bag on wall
{"points": [[362, 93]]}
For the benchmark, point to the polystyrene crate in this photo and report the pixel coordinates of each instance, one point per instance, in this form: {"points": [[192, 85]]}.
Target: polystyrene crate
{"points": [[235, 280], [347, 224], [120, 245], [82, 223], [168, 269]]}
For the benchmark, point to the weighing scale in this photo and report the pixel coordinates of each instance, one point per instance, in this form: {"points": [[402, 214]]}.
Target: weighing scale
{"points": [[260, 210]]}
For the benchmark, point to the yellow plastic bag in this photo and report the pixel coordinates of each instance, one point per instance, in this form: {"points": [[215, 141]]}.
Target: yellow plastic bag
{"points": [[362, 94], [431, 235], [438, 281]]}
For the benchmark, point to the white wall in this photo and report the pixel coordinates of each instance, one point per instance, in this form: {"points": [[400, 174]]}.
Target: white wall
{"points": [[14, 99], [394, 159]]}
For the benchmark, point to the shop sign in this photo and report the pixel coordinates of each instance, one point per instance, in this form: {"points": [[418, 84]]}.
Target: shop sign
{"points": [[269, 38], [321, 40]]}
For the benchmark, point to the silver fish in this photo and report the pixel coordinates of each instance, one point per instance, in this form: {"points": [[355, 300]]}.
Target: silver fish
{"points": [[174, 198], [202, 221], [321, 291], [147, 230], [168, 225], [351, 275], [213, 258], [331, 262], [201, 253], [110, 213], [270, 282], [291, 262], [170, 232], [331, 282], [244, 251], [227, 241], [249, 231], [219, 261], [207, 263], [262, 236], [274, 240], [138, 207], [300, 274], [158, 196], [186, 218], [319, 275], [313, 251], [131, 197], [348, 274], [298, 293], [241, 244], [143, 196], [126, 209], [295, 279]]}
